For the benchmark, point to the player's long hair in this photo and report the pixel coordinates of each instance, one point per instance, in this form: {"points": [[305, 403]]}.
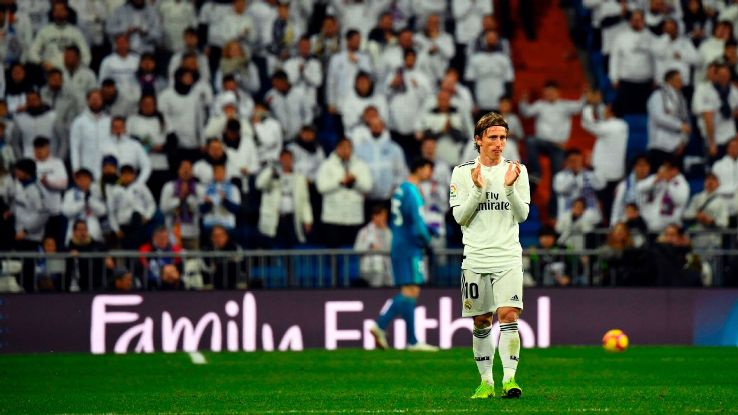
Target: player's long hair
{"points": [[490, 119]]}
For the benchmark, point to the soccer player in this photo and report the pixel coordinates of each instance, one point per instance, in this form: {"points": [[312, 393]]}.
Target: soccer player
{"points": [[490, 196], [410, 236]]}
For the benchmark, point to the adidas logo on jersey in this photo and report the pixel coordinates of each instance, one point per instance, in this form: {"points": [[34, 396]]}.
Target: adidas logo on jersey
{"points": [[515, 298]]}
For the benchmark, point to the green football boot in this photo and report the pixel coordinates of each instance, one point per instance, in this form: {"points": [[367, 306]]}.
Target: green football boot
{"points": [[511, 389], [484, 391]]}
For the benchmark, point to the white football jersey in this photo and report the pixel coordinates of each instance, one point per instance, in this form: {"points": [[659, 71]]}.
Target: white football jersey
{"points": [[491, 242]]}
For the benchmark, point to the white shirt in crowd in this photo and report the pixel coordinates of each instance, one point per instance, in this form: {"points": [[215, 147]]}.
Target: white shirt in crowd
{"points": [[386, 163], [88, 134], [726, 169], [553, 118], [572, 231], [203, 67], [375, 269], [711, 49], [307, 162], [234, 26], [435, 196], [27, 127], [29, 210], [631, 58], [203, 170], [212, 14], [263, 14], [80, 81], [625, 192], [354, 105], [489, 217], [49, 44], [184, 116], [569, 186], [612, 11], [468, 16], [55, 174], [343, 205], [78, 205], [91, 16], [404, 101], [124, 201], [664, 202], [307, 73], [293, 109], [171, 204], [489, 71], [361, 16], [434, 63], [283, 194], [121, 69], [714, 206], [611, 135], [268, 138], [131, 152], [342, 71], [707, 99], [219, 214], [150, 132], [667, 112], [176, 16], [679, 54]]}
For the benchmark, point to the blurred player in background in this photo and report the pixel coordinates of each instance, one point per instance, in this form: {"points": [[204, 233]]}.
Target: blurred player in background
{"points": [[490, 196], [410, 237]]}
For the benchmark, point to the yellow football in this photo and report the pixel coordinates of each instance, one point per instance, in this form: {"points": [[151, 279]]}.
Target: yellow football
{"points": [[615, 341]]}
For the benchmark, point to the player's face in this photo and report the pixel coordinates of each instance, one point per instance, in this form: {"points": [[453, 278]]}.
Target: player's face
{"points": [[492, 142]]}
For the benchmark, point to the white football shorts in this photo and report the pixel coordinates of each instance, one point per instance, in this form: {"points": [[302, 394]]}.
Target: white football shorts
{"points": [[485, 293]]}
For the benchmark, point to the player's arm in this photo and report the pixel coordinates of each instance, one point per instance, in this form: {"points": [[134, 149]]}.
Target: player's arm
{"points": [[464, 198], [518, 194], [420, 229]]}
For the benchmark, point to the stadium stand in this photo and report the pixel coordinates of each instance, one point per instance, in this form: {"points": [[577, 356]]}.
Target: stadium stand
{"points": [[231, 117]]}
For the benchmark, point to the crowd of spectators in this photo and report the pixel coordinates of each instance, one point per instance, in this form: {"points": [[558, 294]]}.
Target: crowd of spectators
{"points": [[161, 125]]}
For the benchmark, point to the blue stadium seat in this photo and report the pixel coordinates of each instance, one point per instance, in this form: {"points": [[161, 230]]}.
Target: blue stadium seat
{"points": [[272, 276], [696, 186], [637, 135]]}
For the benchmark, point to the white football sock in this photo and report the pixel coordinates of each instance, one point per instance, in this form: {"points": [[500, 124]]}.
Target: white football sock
{"points": [[509, 348], [484, 352]]}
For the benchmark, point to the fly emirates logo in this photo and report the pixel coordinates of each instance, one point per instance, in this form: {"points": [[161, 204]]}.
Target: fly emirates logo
{"points": [[493, 202], [236, 327]]}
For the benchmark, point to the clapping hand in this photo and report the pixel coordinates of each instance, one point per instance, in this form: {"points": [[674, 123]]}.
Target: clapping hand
{"points": [[513, 171], [477, 178]]}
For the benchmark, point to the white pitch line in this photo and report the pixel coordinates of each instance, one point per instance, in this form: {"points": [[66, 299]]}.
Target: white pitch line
{"points": [[198, 358]]}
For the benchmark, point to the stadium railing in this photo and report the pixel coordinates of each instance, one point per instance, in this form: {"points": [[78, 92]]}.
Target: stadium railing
{"points": [[596, 265]]}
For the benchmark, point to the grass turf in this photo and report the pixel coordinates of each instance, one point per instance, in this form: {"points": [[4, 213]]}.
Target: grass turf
{"points": [[664, 380]]}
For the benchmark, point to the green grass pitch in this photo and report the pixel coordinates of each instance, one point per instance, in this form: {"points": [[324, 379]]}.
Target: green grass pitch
{"points": [[667, 380]]}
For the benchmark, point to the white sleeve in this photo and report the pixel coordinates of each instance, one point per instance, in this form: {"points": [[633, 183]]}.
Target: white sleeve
{"points": [[463, 201], [70, 206], [149, 203], [646, 184], [519, 196], [563, 182], [168, 201], [75, 142], [144, 166], [618, 203]]}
